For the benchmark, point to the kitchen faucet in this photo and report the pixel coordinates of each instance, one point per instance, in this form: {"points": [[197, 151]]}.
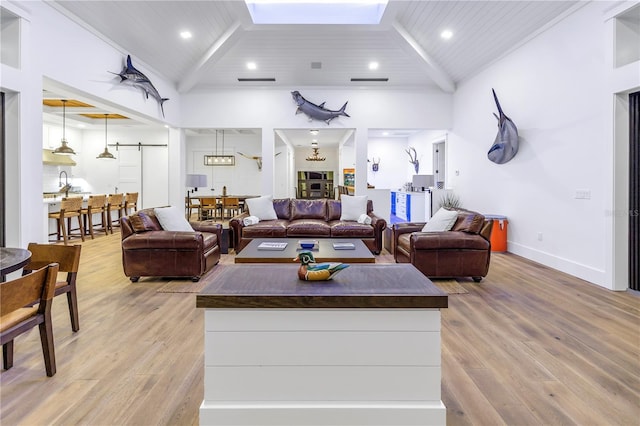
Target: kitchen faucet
{"points": [[66, 186]]}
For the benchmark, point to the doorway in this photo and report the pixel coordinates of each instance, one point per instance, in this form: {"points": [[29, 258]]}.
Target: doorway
{"points": [[634, 191], [439, 164], [3, 177]]}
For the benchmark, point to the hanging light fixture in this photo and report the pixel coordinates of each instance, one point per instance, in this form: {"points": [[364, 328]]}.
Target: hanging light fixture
{"points": [[64, 148], [315, 155], [219, 160], [106, 153]]}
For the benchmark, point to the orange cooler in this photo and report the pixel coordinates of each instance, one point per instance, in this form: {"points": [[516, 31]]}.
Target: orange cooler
{"points": [[499, 232]]}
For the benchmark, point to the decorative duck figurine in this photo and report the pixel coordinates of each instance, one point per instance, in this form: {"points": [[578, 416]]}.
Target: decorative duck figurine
{"points": [[311, 271]]}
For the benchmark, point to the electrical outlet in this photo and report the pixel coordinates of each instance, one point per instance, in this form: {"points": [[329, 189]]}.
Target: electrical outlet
{"points": [[539, 236], [582, 194]]}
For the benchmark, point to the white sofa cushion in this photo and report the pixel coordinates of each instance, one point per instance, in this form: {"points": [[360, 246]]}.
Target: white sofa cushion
{"points": [[353, 206], [443, 220], [261, 207], [172, 219]]}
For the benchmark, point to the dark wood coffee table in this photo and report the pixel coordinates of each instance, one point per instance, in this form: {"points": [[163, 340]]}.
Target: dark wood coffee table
{"points": [[324, 253]]}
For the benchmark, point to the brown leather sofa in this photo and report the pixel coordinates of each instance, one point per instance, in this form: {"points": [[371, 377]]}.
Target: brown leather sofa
{"points": [[318, 218], [148, 250], [465, 251]]}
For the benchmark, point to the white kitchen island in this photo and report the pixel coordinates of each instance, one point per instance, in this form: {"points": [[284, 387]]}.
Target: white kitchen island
{"points": [[361, 349]]}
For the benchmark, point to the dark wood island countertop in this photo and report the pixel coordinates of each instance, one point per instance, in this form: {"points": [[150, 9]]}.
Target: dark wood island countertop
{"points": [[260, 286]]}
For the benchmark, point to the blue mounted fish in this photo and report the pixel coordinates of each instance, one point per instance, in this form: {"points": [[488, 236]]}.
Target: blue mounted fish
{"points": [[317, 112], [138, 79], [505, 146]]}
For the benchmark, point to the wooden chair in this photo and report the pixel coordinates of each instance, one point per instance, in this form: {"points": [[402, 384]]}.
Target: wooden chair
{"points": [[207, 206], [115, 202], [130, 203], [191, 204], [68, 260], [95, 205], [230, 204], [69, 207], [16, 318]]}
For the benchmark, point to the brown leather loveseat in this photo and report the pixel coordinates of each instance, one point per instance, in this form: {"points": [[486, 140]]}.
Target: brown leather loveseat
{"points": [[148, 250], [464, 251], [318, 218]]}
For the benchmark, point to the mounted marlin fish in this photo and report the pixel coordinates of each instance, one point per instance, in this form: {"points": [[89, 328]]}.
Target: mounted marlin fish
{"points": [[317, 112], [505, 146], [138, 79]]}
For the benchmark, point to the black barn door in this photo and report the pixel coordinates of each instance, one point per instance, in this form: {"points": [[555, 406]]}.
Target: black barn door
{"points": [[634, 191]]}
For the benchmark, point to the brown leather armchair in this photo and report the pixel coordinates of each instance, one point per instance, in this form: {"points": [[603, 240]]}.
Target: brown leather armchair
{"points": [[465, 251], [148, 250]]}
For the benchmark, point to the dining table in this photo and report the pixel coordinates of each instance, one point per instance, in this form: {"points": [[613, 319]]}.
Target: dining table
{"points": [[12, 259], [241, 199]]}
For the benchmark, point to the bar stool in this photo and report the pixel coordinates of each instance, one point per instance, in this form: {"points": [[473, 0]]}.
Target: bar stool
{"points": [[130, 203], [69, 207], [115, 202], [96, 205]]}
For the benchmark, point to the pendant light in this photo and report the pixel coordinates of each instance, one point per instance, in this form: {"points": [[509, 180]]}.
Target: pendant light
{"points": [[106, 153], [64, 149]]}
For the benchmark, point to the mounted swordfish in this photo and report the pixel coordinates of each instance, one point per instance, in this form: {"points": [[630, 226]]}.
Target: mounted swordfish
{"points": [[317, 112], [505, 145], [138, 79]]}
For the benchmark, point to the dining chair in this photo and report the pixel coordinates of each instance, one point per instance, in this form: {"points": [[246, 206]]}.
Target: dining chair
{"points": [[115, 203], [69, 207], [17, 317], [68, 260], [95, 205], [231, 205], [130, 203], [208, 208], [191, 204]]}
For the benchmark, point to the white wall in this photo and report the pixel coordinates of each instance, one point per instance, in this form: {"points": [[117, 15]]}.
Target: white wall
{"points": [[242, 179], [552, 88], [394, 168], [61, 54]]}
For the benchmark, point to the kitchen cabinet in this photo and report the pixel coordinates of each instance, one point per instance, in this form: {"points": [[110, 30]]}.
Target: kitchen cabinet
{"points": [[411, 206]]}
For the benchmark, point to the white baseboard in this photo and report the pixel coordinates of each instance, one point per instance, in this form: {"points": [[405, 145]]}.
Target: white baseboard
{"points": [[317, 413], [585, 272]]}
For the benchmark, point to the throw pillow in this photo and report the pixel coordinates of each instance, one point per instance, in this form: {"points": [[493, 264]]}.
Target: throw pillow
{"points": [[262, 207], [172, 219], [469, 222], [353, 206], [443, 220], [141, 222]]}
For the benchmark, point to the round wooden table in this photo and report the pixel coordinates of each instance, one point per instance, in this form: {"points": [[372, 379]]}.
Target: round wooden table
{"points": [[12, 259]]}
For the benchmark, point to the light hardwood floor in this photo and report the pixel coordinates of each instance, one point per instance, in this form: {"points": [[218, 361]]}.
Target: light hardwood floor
{"points": [[526, 346]]}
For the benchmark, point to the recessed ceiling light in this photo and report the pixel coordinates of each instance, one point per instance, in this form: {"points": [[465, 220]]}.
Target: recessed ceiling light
{"points": [[385, 133], [373, 65], [252, 65], [446, 34], [186, 34]]}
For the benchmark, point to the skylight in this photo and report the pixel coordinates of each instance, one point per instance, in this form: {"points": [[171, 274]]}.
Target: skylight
{"points": [[354, 12]]}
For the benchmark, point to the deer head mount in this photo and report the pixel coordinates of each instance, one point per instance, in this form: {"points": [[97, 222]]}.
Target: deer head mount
{"points": [[376, 164], [413, 158]]}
